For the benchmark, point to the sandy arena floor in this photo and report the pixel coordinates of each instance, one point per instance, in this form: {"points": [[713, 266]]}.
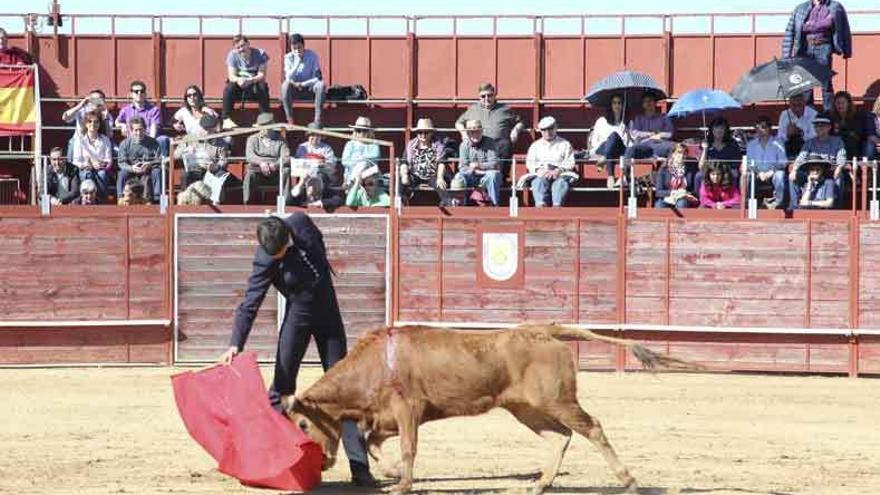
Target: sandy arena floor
{"points": [[90, 431]]}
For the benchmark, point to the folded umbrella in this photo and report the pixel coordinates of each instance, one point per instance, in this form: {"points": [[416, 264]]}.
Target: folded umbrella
{"points": [[629, 84], [702, 101], [780, 79], [225, 409]]}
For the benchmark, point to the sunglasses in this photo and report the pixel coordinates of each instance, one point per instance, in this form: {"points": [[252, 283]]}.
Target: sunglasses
{"points": [[486, 95], [92, 122], [138, 91], [193, 95]]}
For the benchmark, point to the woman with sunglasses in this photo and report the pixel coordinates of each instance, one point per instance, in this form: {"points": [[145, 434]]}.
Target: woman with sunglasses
{"points": [[186, 119], [366, 191]]}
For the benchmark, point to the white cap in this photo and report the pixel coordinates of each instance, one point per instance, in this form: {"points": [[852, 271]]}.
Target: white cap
{"points": [[546, 123]]}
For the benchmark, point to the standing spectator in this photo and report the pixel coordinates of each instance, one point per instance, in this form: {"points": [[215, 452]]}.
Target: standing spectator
{"points": [[818, 189], [500, 123], [796, 125], [767, 155], [302, 78], [365, 192], [872, 147], [719, 190], [424, 162], [88, 192], [651, 133], [818, 29], [62, 180], [671, 184], [149, 113], [551, 159], [316, 149], [139, 158], [93, 153], [823, 147], [851, 125], [186, 118], [357, 152], [268, 159], [10, 55], [478, 163], [609, 138], [245, 77], [132, 194], [719, 146], [94, 102]]}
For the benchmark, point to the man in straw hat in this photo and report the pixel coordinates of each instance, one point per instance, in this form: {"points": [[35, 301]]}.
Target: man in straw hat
{"points": [[478, 163], [424, 161], [817, 190], [356, 152], [822, 147], [267, 155]]}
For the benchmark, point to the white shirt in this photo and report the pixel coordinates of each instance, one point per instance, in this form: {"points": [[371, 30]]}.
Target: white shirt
{"points": [[602, 130], [766, 158], [557, 152], [805, 123], [85, 150], [190, 122]]}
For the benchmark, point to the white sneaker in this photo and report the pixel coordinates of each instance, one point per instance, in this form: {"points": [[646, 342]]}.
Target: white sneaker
{"points": [[609, 183], [228, 123]]}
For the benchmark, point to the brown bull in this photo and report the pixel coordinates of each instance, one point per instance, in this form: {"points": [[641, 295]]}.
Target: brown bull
{"points": [[396, 379]]}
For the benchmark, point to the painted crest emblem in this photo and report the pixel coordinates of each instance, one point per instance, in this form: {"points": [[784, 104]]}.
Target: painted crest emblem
{"points": [[795, 79], [500, 255]]}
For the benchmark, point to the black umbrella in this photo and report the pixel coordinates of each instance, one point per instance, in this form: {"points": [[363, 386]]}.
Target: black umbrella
{"points": [[631, 85], [780, 79]]}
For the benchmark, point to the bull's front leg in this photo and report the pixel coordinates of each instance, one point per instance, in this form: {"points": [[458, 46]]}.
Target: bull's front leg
{"points": [[390, 469], [407, 416]]}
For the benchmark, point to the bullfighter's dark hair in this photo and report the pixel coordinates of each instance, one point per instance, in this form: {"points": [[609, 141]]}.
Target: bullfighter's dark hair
{"points": [[273, 235]]}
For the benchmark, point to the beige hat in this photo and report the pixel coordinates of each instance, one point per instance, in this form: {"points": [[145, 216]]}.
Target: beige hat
{"points": [[369, 171], [362, 123], [473, 125], [424, 124], [265, 118], [546, 123]]}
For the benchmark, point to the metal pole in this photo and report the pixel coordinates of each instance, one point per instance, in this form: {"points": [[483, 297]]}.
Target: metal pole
{"points": [[753, 201], [280, 200], [632, 204], [514, 200], [163, 197], [38, 128], [45, 199], [875, 206]]}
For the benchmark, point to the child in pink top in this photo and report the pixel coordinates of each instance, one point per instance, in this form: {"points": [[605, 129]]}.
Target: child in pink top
{"points": [[718, 190]]}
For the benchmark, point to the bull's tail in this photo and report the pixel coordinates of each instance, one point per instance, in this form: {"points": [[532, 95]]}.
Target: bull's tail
{"points": [[650, 360]]}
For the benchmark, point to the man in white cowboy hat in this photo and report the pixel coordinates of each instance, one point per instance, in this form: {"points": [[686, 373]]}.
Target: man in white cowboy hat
{"points": [[366, 190], [357, 152], [822, 147], [424, 161], [267, 155], [478, 163], [817, 190], [551, 162]]}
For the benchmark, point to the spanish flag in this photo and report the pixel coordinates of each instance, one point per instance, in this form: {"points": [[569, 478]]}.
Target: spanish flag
{"points": [[17, 104]]}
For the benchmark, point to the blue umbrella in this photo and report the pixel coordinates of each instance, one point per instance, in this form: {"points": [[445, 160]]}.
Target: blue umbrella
{"points": [[702, 101], [629, 84]]}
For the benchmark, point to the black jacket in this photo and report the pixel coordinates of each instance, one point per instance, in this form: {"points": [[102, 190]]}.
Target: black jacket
{"points": [[52, 180]]}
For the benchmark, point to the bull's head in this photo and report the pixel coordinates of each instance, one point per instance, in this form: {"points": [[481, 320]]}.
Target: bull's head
{"points": [[315, 423]]}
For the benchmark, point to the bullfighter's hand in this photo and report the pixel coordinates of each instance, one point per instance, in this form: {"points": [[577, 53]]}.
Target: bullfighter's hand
{"points": [[227, 356]]}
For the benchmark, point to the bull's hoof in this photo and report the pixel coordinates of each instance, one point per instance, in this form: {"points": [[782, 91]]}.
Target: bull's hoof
{"points": [[394, 471], [632, 486], [538, 490], [401, 488]]}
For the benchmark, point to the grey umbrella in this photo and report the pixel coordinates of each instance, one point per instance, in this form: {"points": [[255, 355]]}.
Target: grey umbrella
{"points": [[629, 84], [779, 80]]}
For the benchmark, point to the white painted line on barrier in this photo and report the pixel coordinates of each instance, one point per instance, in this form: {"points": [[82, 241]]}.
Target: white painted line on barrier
{"points": [[659, 328], [83, 323]]}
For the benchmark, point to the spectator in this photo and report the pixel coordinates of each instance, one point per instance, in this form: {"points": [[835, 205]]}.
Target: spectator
{"points": [[310, 192], [818, 189], [719, 190], [424, 161], [245, 77], [609, 138], [10, 55], [197, 193], [500, 123], [851, 125], [93, 153], [302, 78], [478, 163], [719, 146], [186, 118], [796, 126], [872, 151], [139, 158], [94, 102], [62, 179], [823, 147], [151, 115], [132, 194], [551, 160], [365, 192], [316, 149], [818, 29], [651, 134], [357, 152], [767, 156], [88, 192], [206, 155], [671, 184], [268, 159]]}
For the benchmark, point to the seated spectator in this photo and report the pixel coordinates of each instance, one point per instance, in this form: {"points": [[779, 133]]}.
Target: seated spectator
{"points": [[719, 190], [93, 153], [817, 190], [424, 162], [316, 149], [204, 156], [88, 192], [872, 148], [186, 118], [478, 164], [149, 113], [767, 156], [139, 158], [551, 160], [357, 152], [245, 78], [132, 194], [62, 179], [366, 192], [10, 55], [651, 134], [310, 192], [500, 123], [719, 146], [823, 147], [94, 102], [197, 193], [796, 125], [851, 125], [671, 183], [609, 138], [302, 78], [268, 159]]}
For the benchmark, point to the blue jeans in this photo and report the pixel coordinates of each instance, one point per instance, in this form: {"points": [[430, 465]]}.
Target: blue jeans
{"points": [[290, 93], [490, 181], [102, 179], [543, 190], [822, 54], [152, 182], [612, 149], [680, 204]]}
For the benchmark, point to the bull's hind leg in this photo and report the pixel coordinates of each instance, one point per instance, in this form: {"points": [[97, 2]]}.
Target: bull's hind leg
{"points": [[578, 420], [557, 434], [374, 446]]}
